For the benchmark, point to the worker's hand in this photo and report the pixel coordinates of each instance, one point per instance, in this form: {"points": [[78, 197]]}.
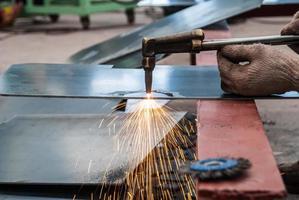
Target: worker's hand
{"points": [[292, 28], [257, 70]]}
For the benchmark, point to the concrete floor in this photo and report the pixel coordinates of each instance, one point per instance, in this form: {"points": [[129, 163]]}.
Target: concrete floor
{"points": [[44, 42]]}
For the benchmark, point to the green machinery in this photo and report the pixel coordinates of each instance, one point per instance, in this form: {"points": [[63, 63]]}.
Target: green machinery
{"points": [[83, 8]]}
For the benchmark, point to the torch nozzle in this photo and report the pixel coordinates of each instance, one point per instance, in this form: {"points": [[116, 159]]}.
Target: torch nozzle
{"points": [[148, 81], [148, 66], [178, 43]]}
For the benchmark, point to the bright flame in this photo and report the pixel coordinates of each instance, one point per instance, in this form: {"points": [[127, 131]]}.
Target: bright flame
{"points": [[148, 95]]}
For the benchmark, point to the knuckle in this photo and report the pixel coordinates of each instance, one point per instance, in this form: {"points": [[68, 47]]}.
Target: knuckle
{"points": [[240, 82], [248, 84], [224, 67], [229, 49], [296, 16], [291, 28], [258, 50], [287, 30], [226, 87], [259, 47]]}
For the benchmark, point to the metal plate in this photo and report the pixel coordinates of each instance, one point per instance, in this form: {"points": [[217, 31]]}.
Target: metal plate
{"points": [[70, 149], [13, 106], [94, 81], [29, 197], [124, 46]]}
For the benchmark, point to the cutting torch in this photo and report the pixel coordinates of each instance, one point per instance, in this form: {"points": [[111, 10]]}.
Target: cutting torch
{"points": [[193, 42]]}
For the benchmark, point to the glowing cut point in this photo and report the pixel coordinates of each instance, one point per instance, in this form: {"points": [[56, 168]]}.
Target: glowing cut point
{"points": [[147, 103], [148, 95]]}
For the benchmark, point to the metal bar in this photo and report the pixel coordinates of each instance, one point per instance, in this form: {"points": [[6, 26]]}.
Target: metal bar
{"points": [[269, 40]]}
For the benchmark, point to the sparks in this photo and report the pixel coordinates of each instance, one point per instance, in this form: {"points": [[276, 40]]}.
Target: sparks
{"points": [[153, 135]]}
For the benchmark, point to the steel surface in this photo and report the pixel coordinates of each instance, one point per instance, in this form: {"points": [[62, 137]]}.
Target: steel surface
{"points": [[70, 149], [13, 106], [97, 81], [126, 45]]}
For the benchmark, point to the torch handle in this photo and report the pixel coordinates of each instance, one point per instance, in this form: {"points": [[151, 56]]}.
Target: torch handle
{"points": [[269, 40]]}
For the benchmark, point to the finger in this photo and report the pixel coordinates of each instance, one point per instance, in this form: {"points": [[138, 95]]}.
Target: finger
{"points": [[295, 48], [226, 87], [296, 16], [225, 65], [227, 76], [291, 29], [238, 53]]}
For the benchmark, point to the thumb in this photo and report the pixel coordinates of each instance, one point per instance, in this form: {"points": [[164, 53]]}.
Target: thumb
{"points": [[291, 29], [238, 53], [225, 65], [296, 16]]}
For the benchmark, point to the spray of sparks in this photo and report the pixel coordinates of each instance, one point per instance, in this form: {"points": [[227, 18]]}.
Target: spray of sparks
{"points": [[152, 135]]}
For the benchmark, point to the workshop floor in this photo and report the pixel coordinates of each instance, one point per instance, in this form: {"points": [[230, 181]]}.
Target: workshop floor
{"points": [[45, 42]]}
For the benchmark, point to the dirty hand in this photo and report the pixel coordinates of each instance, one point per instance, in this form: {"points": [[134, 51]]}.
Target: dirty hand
{"points": [[292, 28], [257, 70]]}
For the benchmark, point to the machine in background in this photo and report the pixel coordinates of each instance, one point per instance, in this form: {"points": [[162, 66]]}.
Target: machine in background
{"points": [[83, 8]]}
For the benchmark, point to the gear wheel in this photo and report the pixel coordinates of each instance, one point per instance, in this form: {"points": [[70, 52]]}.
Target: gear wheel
{"points": [[217, 168]]}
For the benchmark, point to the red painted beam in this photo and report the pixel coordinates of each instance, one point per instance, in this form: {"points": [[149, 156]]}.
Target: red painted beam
{"points": [[234, 128]]}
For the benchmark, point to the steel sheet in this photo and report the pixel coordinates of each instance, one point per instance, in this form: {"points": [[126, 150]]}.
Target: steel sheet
{"points": [[71, 149], [96, 81], [13, 106], [124, 46]]}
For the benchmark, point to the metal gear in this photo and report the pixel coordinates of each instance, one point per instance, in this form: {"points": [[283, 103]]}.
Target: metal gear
{"points": [[217, 168]]}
